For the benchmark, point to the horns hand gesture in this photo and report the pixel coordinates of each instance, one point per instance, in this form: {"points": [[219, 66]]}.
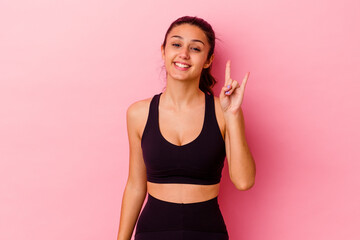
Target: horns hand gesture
{"points": [[232, 93]]}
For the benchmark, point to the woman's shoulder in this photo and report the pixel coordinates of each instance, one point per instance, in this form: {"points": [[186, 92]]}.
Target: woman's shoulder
{"points": [[137, 114], [139, 108], [219, 115], [139, 105], [218, 105]]}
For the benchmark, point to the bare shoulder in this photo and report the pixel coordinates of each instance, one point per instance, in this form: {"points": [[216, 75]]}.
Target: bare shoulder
{"points": [[219, 115], [137, 114]]}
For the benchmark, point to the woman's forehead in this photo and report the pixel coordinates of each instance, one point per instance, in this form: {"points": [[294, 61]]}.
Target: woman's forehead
{"points": [[187, 32]]}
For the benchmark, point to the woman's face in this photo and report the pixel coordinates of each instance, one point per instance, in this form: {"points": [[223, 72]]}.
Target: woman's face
{"points": [[185, 53]]}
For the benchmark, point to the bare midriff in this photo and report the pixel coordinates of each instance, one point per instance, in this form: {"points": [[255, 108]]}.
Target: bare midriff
{"points": [[183, 193]]}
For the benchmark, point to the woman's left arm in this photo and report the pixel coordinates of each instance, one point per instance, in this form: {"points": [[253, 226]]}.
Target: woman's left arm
{"points": [[241, 164]]}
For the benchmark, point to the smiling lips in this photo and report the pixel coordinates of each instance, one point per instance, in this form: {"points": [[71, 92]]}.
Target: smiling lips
{"points": [[182, 66]]}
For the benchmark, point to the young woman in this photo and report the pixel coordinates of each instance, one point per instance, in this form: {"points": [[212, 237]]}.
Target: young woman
{"points": [[178, 142]]}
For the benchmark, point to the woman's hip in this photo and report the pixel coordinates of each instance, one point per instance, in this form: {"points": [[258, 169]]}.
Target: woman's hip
{"points": [[181, 220]]}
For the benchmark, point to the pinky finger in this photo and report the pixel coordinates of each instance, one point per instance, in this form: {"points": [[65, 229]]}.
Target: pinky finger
{"points": [[245, 79]]}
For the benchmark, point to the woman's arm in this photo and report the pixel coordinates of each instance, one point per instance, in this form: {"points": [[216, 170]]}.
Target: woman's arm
{"points": [[241, 164], [136, 188], [242, 168]]}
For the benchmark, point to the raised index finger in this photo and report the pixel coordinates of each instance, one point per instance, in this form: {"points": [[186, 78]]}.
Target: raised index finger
{"points": [[227, 73]]}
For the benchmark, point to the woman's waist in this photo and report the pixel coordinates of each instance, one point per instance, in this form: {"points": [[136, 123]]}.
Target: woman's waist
{"points": [[183, 193]]}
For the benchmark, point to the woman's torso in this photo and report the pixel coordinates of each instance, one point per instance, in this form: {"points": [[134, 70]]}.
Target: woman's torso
{"points": [[181, 128]]}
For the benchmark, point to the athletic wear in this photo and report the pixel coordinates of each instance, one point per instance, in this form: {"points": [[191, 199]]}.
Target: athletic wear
{"points": [[162, 220], [198, 162]]}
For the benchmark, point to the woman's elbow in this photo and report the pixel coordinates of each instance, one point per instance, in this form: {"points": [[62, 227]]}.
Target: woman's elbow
{"points": [[244, 186]]}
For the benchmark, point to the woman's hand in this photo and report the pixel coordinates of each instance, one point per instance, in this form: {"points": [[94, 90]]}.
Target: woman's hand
{"points": [[232, 93]]}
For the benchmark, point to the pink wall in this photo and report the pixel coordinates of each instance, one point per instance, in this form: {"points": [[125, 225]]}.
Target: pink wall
{"points": [[69, 70]]}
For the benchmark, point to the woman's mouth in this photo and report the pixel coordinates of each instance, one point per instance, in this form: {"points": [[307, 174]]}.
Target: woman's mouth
{"points": [[182, 66]]}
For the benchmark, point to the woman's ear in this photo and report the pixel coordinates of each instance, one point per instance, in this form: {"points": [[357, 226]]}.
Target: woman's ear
{"points": [[208, 62], [162, 52]]}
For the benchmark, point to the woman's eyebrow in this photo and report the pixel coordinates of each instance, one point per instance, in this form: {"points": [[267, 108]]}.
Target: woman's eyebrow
{"points": [[193, 40]]}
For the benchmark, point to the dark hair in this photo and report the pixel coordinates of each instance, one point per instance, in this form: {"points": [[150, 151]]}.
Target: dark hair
{"points": [[207, 81]]}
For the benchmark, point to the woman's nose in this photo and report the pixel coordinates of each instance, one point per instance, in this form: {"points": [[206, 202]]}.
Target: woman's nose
{"points": [[184, 53]]}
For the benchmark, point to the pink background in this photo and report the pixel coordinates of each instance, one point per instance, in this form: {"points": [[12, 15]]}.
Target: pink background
{"points": [[70, 69]]}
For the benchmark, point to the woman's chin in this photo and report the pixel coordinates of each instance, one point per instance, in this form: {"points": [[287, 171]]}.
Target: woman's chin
{"points": [[183, 79], [181, 76]]}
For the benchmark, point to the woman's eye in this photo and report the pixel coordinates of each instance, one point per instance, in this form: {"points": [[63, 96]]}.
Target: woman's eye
{"points": [[176, 45], [196, 49]]}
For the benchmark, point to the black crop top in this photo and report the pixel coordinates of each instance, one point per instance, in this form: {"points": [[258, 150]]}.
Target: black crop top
{"points": [[198, 162]]}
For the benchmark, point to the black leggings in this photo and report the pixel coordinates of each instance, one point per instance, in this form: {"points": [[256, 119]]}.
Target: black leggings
{"points": [[162, 220]]}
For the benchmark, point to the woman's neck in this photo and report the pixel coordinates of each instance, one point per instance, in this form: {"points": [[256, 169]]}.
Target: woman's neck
{"points": [[182, 93]]}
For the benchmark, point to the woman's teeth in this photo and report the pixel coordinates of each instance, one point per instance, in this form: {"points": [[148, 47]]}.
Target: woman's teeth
{"points": [[182, 65]]}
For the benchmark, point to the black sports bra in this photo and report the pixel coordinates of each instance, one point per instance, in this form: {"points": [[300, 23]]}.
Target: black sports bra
{"points": [[198, 162]]}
